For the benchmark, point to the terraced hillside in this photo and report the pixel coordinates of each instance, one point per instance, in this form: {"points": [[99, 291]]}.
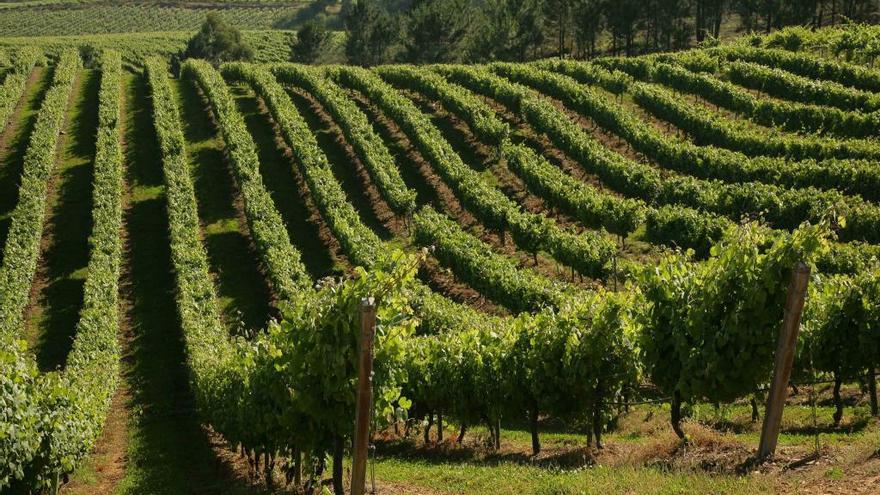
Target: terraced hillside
{"points": [[561, 248]]}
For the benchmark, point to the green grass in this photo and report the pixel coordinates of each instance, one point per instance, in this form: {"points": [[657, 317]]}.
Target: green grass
{"points": [[52, 322], [243, 292], [511, 478]]}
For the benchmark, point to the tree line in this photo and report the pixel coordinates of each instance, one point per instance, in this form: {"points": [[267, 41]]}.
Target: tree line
{"points": [[451, 31], [431, 31]]}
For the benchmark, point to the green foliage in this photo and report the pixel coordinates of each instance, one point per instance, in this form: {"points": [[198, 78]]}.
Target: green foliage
{"points": [[311, 41], [508, 30], [495, 276], [710, 329], [281, 261], [437, 30], [589, 253], [217, 42], [359, 132], [56, 417], [844, 336], [371, 33]]}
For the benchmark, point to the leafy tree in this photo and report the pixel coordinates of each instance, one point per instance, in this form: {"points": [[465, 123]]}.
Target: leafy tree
{"points": [[709, 14], [588, 17], [623, 17], [311, 40], [217, 42], [437, 30], [509, 30], [558, 14], [668, 24], [372, 32]]}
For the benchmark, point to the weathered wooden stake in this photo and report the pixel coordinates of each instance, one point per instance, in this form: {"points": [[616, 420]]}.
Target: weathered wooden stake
{"points": [[364, 397], [784, 358]]}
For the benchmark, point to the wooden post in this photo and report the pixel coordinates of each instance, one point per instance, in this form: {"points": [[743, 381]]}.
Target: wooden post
{"points": [[784, 358], [364, 397]]}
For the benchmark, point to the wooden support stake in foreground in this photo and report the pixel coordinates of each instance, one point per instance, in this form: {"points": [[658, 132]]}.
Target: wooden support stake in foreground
{"points": [[785, 349], [364, 397]]}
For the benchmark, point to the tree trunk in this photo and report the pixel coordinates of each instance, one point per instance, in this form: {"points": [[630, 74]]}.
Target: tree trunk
{"points": [[872, 389], [700, 22], [497, 433], [428, 428], [755, 414], [597, 424], [297, 468], [675, 415], [536, 442], [439, 427], [338, 455], [461, 433], [838, 402]]}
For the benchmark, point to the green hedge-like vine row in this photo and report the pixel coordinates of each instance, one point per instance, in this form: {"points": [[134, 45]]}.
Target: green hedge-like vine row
{"points": [[669, 225], [783, 84], [91, 374], [360, 244], [851, 176], [802, 64], [709, 126], [14, 84], [58, 416], [282, 261], [791, 116], [26, 228], [21, 418], [482, 120], [784, 208], [495, 276], [358, 131], [588, 253]]}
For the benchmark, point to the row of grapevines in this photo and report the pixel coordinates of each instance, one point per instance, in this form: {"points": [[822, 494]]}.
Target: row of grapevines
{"points": [[783, 84], [282, 261], [785, 208], [569, 364], [710, 328], [495, 276], [210, 355], [26, 228], [358, 131], [57, 417], [670, 225], [711, 126], [846, 74], [482, 120], [91, 373], [708, 126], [588, 253], [14, 84], [850, 176], [791, 116], [258, 394], [359, 243], [842, 332], [589, 205]]}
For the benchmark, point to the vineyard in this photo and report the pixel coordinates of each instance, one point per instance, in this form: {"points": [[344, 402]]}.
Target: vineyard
{"points": [[580, 270]]}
